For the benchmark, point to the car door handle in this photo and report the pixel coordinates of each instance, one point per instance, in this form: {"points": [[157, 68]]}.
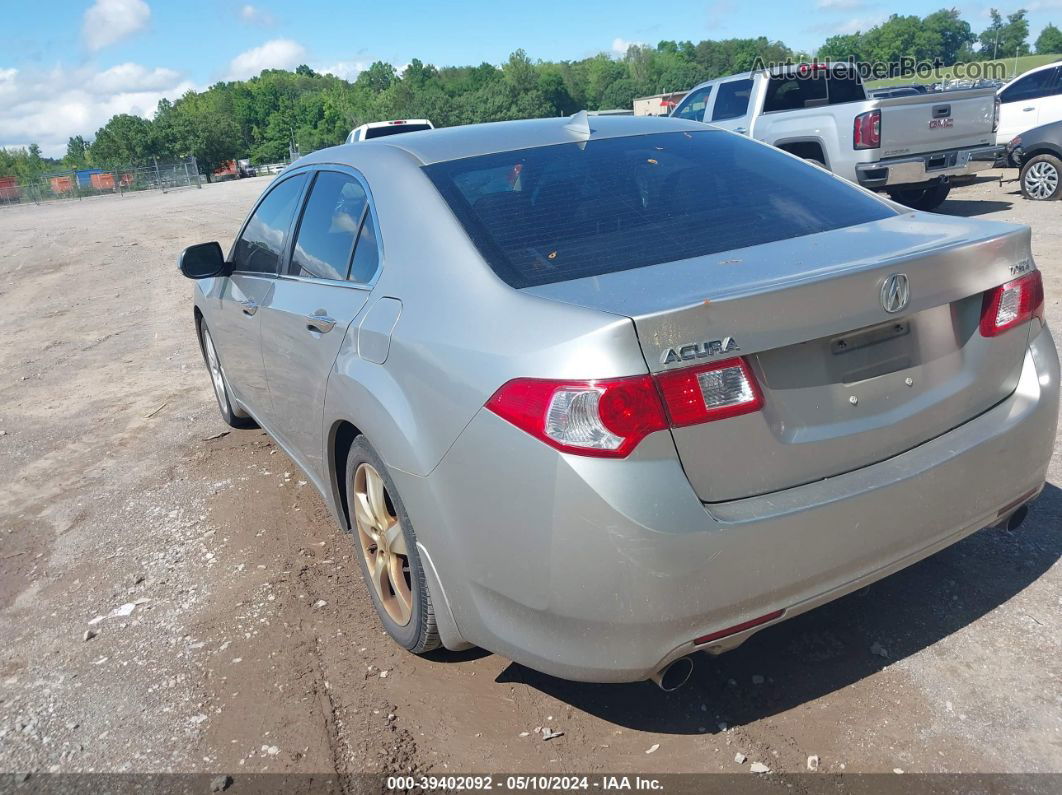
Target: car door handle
{"points": [[249, 307], [1028, 109], [741, 129], [321, 322]]}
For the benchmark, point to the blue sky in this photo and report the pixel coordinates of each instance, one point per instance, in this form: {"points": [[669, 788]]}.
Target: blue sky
{"points": [[67, 65]]}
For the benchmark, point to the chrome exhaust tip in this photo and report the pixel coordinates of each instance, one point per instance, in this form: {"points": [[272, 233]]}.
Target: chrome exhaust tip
{"points": [[673, 675]]}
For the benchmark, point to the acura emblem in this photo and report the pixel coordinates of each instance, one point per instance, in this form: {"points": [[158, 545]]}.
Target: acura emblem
{"points": [[895, 293]]}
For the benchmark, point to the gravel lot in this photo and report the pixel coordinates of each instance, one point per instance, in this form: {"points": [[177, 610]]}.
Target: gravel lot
{"points": [[236, 634]]}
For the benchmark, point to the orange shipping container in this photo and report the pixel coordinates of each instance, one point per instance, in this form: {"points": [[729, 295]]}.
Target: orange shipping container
{"points": [[62, 184], [8, 189], [103, 181]]}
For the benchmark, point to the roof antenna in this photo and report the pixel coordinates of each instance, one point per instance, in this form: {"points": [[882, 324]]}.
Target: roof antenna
{"points": [[579, 125]]}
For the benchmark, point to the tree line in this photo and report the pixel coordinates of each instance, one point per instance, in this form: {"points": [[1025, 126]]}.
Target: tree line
{"points": [[262, 117]]}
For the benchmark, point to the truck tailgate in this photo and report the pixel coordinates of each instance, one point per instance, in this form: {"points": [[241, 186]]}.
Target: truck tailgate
{"points": [[936, 122]]}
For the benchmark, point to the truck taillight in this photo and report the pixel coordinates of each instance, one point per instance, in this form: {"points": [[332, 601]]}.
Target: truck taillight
{"points": [[866, 131], [995, 115], [1012, 304], [609, 417]]}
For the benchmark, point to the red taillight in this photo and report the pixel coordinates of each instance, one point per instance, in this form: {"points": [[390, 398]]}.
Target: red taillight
{"points": [[866, 132], [598, 418], [609, 417], [1012, 304], [709, 392]]}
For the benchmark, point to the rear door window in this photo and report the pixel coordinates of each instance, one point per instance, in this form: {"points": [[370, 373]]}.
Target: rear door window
{"points": [[732, 100], [584, 209], [1038, 84], [259, 248], [329, 226]]}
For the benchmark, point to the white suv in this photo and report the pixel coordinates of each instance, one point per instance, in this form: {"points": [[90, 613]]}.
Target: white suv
{"points": [[378, 129], [1029, 101]]}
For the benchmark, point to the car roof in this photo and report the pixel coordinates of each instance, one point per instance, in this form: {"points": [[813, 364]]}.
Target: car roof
{"points": [[471, 140]]}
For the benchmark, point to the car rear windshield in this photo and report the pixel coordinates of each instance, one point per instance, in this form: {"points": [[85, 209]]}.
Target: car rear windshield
{"points": [[394, 129], [568, 211]]}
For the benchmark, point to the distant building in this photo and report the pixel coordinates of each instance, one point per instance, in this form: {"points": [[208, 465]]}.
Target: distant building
{"points": [[658, 104]]}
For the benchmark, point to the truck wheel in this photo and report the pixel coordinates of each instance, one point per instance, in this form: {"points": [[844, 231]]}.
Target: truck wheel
{"points": [[929, 198], [1041, 178]]}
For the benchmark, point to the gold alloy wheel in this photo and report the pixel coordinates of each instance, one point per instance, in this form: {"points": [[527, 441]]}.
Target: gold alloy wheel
{"points": [[383, 544]]}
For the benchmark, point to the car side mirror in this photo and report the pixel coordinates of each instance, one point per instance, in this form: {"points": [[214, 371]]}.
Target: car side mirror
{"points": [[203, 261]]}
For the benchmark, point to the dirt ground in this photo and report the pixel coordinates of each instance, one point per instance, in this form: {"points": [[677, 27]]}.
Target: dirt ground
{"points": [[236, 633]]}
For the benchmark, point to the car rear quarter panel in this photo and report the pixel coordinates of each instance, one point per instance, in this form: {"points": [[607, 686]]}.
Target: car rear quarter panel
{"points": [[461, 333]]}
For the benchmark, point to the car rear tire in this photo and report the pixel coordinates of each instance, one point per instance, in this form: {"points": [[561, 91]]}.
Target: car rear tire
{"points": [[232, 415], [1041, 178], [387, 550], [928, 198]]}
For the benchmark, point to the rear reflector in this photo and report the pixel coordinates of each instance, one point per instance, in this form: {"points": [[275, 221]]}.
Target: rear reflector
{"points": [[755, 622], [709, 392], [609, 417], [1012, 304]]}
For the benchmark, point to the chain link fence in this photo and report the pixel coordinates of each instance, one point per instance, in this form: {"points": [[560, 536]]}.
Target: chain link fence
{"points": [[77, 184]]}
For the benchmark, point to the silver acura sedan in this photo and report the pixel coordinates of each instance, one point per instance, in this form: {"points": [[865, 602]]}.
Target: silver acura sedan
{"points": [[597, 394]]}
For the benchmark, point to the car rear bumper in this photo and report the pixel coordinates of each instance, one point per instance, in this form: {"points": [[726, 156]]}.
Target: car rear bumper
{"points": [[604, 570], [927, 167]]}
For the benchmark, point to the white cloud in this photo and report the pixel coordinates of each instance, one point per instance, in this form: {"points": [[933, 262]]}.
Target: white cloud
{"points": [[620, 46], [253, 15], [110, 21], [858, 25], [853, 25], [348, 70], [132, 77], [47, 107], [839, 5], [275, 54]]}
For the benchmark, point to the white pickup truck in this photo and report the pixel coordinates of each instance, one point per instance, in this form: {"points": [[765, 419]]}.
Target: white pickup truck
{"points": [[908, 146]]}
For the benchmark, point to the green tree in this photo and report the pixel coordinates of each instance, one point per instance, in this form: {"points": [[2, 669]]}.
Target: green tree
{"points": [[1015, 40], [1049, 40], [842, 47], [125, 140], [1005, 39], [76, 152], [948, 37]]}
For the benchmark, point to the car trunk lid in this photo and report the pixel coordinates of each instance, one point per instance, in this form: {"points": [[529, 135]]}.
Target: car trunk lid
{"points": [[845, 383]]}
